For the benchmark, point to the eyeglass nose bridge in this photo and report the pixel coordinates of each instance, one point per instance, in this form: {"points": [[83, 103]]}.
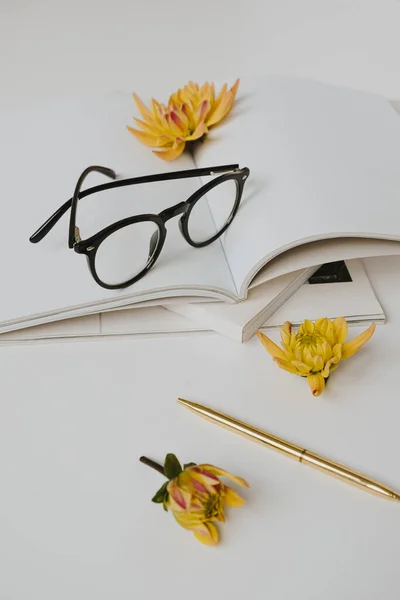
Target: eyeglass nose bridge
{"points": [[173, 211]]}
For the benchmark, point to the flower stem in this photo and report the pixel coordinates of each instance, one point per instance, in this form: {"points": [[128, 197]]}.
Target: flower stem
{"points": [[152, 464]]}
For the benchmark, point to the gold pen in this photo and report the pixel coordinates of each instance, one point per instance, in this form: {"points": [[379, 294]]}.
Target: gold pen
{"points": [[301, 454]]}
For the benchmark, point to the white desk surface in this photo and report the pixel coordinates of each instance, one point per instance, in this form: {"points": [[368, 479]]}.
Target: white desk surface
{"points": [[76, 521]]}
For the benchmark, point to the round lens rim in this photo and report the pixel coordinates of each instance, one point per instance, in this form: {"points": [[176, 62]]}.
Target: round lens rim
{"points": [[95, 242], [184, 222]]}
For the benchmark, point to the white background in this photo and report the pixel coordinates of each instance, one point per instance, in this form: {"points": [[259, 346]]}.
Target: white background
{"points": [[75, 516]]}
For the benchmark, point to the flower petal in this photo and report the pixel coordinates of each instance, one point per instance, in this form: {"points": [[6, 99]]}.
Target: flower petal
{"points": [[171, 153], [156, 109], [271, 347], [144, 138], [318, 363], [330, 333], [341, 329], [234, 89], [286, 331], [307, 326], [175, 99], [220, 112], [330, 366], [180, 124], [223, 104], [222, 92], [201, 111], [144, 111], [326, 351], [297, 350], [320, 325], [200, 130], [152, 128], [316, 383], [286, 365], [221, 472], [207, 534], [187, 110], [206, 479], [165, 141], [189, 519], [353, 346], [179, 499], [199, 487], [308, 357], [302, 368], [337, 352], [232, 498]]}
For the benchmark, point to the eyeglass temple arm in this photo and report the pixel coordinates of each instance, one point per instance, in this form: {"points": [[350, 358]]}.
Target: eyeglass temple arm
{"points": [[55, 217], [51, 221], [74, 235]]}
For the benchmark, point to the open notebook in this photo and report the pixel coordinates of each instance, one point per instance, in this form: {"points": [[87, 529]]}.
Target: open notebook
{"points": [[324, 165]]}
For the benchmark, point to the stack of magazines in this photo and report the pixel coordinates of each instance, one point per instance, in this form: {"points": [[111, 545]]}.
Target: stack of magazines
{"points": [[230, 237]]}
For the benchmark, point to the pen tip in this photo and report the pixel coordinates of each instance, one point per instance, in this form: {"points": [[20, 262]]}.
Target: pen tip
{"points": [[184, 402], [191, 405]]}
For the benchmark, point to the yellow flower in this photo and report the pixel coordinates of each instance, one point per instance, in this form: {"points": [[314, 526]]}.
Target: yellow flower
{"points": [[315, 350], [190, 113], [196, 496]]}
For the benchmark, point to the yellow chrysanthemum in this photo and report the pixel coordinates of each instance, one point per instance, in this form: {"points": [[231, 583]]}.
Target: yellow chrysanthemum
{"points": [[190, 113], [315, 350]]}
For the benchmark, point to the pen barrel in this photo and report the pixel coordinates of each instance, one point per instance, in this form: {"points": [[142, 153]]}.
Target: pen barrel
{"points": [[297, 452], [257, 435], [346, 474], [291, 450]]}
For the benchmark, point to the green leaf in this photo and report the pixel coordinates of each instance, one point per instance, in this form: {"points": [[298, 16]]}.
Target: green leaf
{"points": [[165, 503], [172, 466], [189, 465], [161, 494]]}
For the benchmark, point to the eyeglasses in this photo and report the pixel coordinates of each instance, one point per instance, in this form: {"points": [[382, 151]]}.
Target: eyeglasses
{"points": [[122, 253]]}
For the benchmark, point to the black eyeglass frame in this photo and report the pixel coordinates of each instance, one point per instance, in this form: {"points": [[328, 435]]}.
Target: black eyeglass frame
{"points": [[90, 245]]}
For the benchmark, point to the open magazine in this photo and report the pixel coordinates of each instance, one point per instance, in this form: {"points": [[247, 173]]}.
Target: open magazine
{"points": [[324, 165], [355, 300]]}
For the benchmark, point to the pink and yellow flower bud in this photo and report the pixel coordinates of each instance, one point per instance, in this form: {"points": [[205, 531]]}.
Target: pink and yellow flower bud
{"points": [[197, 497]]}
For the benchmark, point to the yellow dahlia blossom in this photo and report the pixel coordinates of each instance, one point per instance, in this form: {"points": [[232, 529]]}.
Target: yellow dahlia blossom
{"points": [[188, 116], [316, 350], [196, 496]]}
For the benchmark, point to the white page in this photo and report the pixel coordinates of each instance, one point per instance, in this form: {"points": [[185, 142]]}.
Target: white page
{"points": [[324, 251], [239, 321], [42, 156], [150, 320], [67, 328], [324, 162], [355, 300]]}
